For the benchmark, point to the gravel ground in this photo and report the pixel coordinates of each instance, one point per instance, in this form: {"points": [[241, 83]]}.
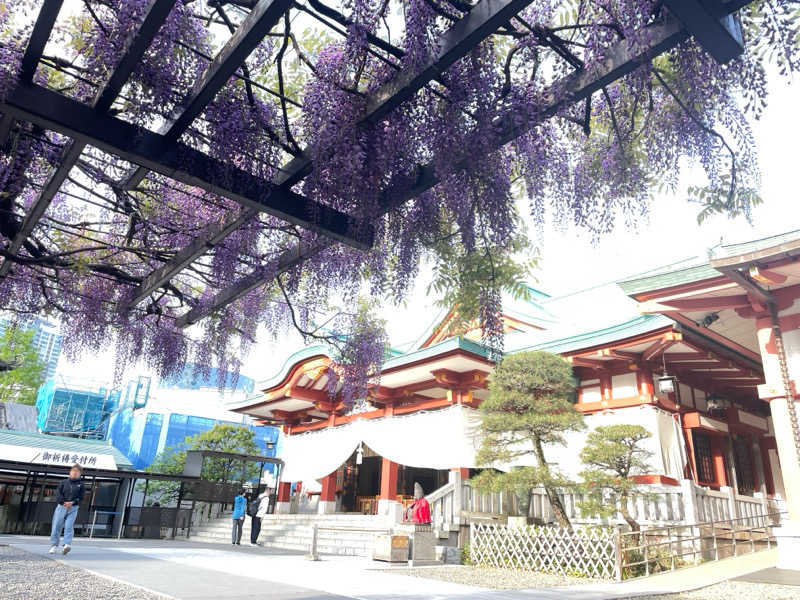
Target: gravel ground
{"points": [[733, 590], [27, 576], [499, 579]]}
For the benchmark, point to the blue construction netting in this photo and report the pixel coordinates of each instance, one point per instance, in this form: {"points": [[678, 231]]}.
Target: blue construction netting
{"points": [[75, 411]]}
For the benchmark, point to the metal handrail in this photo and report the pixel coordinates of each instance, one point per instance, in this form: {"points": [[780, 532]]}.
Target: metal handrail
{"points": [[677, 540], [313, 553]]}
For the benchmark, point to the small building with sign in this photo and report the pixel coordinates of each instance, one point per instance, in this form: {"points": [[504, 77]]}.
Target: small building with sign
{"points": [[32, 464]]}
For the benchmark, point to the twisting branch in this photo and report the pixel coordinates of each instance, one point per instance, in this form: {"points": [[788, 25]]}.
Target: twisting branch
{"points": [[696, 118], [279, 61]]}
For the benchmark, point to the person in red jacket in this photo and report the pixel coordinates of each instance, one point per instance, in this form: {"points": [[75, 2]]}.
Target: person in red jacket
{"points": [[420, 510]]}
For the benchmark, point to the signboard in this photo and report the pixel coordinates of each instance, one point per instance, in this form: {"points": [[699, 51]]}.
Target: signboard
{"points": [[64, 458]]}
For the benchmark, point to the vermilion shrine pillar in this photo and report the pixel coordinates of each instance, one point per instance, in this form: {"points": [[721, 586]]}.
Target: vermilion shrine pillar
{"points": [[327, 497], [387, 502], [283, 504], [718, 458]]}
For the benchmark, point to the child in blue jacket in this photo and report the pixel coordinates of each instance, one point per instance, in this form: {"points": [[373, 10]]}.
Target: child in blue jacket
{"points": [[239, 508]]}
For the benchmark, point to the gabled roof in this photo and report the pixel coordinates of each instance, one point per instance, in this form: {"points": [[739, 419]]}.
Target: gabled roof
{"points": [[61, 443], [289, 363]]}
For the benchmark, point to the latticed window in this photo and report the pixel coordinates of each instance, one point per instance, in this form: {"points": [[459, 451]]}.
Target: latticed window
{"points": [[743, 463], [702, 457]]}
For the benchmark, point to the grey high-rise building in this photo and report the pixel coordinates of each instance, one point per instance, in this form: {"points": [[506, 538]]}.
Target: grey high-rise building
{"points": [[46, 340]]}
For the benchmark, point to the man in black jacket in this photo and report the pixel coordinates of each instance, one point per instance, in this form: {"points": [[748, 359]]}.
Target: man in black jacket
{"points": [[68, 496]]}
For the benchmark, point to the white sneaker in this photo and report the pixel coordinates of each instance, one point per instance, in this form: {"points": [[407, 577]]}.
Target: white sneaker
{"points": [[53, 549], [66, 549]]}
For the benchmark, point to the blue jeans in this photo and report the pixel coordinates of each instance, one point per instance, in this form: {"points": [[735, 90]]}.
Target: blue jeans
{"points": [[63, 517]]}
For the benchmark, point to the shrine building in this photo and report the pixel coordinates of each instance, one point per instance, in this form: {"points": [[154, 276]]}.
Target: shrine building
{"points": [[704, 353]]}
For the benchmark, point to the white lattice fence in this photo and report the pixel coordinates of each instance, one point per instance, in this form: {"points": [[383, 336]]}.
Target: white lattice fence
{"points": [[591, 552]]}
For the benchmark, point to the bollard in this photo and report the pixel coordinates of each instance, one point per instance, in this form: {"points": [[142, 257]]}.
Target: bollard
{"points": [[312, 551]]}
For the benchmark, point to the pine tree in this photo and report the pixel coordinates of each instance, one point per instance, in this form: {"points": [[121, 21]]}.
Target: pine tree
{"points": [[613, 454], [528, 408]]}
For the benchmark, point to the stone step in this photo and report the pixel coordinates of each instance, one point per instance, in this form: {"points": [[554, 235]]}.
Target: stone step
{"points": [[294, 532]]}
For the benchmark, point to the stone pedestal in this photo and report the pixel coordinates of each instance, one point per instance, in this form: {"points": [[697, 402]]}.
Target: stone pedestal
{"points": [[391, 548], [422, 544], [283, 508], [788, 538], [326, 507]]}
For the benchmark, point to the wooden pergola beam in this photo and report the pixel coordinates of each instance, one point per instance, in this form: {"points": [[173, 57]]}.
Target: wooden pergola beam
{"points": [[483, 19], [39, 36], [33, 53], [258, 23], [154, 16], [716, 31], [180, 162], [621, 59]]}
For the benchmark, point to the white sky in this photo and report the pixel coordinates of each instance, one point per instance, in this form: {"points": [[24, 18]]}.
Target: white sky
{"points": [[569, 260]]}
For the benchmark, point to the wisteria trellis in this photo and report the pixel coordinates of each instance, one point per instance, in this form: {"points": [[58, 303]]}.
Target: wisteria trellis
{"points": [[234, 163]]}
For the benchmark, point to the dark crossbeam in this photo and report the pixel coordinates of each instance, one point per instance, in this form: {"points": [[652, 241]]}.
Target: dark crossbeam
{"points": [[180, 162], [620, 60], [39, 36], [264, 16], [184, 257], [154, 16], [33, 53], [481, 22], [456, 42], [708, 22]]}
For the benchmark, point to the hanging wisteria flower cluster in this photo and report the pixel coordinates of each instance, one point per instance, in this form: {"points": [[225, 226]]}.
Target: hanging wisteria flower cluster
{"points": [[432, 178]]}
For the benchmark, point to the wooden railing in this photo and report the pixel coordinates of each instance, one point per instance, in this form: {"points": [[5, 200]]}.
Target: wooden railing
{"points": [[658, 506], [444, 506]]}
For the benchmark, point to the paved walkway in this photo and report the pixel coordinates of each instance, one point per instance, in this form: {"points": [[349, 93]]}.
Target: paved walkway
{"points": [[196, 571]]}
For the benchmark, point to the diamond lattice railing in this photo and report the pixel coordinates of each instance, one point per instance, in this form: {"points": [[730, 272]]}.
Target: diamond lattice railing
{"points": [[589, 552]]}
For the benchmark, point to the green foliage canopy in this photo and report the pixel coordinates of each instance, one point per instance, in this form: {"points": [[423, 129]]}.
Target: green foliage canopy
{"points": [[20, 384]]}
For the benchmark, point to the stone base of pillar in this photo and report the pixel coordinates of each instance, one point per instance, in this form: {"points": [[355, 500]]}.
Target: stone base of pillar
{"points": [[788, 538], [326, 507], [391, 508], [283, 508]]}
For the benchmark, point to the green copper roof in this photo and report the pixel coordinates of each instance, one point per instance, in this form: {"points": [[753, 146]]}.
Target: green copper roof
{"points": [[639, 325], [730, 250], [61, 443], [702, 268], [453, 343], [668, 279]]}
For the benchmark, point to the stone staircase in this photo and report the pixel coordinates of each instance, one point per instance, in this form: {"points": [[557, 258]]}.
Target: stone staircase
{"points": [[340, 534]]}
